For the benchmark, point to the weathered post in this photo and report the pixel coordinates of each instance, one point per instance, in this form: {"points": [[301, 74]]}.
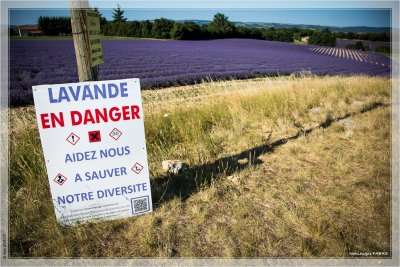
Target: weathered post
{"points": [[79, 25]]}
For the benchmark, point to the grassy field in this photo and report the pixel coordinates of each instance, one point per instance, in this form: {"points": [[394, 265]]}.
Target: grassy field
{"points": [[279, 167]]}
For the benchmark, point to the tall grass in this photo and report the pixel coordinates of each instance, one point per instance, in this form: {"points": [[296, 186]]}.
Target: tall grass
{"points": [[319, 195], [232, 116]]}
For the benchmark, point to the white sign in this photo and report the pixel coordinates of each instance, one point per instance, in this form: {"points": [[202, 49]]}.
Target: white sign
{"points": [[94, 147]]}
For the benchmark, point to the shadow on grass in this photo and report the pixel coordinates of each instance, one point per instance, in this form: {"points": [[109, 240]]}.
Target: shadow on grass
{"points": [[183, 185]]}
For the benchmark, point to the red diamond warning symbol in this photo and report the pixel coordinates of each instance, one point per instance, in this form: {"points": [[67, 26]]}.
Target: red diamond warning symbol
{"points": [[137, 168], [94, 136], [115, 134], [60, 179], [72, 139]]}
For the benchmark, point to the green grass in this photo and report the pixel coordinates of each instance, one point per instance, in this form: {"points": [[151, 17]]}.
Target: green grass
{"points": [[300, 42], [322, 194], [50, 38]]}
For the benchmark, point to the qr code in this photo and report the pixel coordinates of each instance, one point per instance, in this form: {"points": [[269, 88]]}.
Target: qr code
{"points": [[140, 204]]}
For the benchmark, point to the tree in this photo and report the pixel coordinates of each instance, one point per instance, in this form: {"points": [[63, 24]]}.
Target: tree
{"points": [[297, 36], [12, 31], [269, 34], [350, 35], [134, 28], [340, 35], [243, 32], [221, 27], [161, 28], [284, 35], [255, 33], [145, 29], [118, 15], [359, 45], [53, 26], [186, 31], [324, 37]]}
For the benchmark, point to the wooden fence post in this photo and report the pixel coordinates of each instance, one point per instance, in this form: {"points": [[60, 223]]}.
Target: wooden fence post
{"points": [[81, 41]]}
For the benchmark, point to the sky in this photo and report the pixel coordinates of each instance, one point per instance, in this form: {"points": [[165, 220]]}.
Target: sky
{"points": [[325, 17]]}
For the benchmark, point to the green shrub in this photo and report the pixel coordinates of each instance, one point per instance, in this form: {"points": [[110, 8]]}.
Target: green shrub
{"points": [[383, 49], [358, 46]]}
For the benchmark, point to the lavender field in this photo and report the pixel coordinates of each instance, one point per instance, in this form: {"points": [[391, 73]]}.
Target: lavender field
{"points": [[169, 63]]}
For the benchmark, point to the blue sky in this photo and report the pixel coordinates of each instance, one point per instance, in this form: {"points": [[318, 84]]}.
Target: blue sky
{"points": [[326, 17]]}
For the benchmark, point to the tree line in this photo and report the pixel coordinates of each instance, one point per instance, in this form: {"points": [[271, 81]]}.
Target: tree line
{"points": [[219, 27], [382, 36], [53, 26]]}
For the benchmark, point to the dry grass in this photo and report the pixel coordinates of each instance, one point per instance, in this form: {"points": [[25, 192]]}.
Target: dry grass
{"points": [[322, 194]]}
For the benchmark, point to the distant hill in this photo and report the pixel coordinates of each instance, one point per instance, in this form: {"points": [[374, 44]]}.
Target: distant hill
{"points": [[357, 29], [197, 21]]}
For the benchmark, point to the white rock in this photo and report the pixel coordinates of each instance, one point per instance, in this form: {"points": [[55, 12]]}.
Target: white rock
{"points": [[315, 110], [233, 178], [349, 123], [357, 103], [174, 166], [21, 192], [243, 161]]}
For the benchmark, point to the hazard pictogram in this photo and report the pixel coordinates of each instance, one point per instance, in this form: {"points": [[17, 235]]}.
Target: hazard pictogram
{"points": [[60, 179], [115, 134], [137, 168], [72, 139], [94, 136]]}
